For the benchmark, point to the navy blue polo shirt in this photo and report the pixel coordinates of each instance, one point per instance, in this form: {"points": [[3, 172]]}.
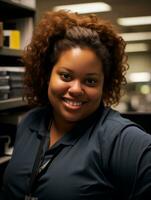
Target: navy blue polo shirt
{"points": [[104, 157]]}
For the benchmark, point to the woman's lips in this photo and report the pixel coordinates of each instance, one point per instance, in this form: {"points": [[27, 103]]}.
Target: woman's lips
{"points": [[73, 104]]}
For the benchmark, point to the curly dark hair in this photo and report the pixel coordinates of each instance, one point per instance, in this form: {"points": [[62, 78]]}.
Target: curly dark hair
{"points": [[60, 31]]}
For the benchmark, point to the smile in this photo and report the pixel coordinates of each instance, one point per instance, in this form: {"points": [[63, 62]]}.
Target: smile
{"points": [[72, 104]]}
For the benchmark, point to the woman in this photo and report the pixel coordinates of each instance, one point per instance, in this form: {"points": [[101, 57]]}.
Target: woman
{"points": [[73, 146]]}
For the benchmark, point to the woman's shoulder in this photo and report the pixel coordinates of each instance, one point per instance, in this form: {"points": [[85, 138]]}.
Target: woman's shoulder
{"points": [[120, 136], [115, 122], [123, 144], [116, 130]]}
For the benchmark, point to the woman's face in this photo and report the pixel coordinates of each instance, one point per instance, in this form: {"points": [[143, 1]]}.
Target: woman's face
{"points": [[76, 84]]}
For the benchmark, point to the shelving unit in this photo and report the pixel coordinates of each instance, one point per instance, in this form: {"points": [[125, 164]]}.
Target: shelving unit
{"points": [[11, 109], [15, 9], [23, 17], [12, 103], [10, 52]]}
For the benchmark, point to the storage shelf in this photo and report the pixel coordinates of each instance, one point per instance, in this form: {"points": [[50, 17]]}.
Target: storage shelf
{"points": [[12, 103], [20, 17], [14, 9], [10, 52]]}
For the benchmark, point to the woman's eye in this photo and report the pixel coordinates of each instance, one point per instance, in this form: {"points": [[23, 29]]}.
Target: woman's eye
{"points": [[91, 82], [65, 76]]}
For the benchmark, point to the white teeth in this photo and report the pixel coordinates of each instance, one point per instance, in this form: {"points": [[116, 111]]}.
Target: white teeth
{"points": [[73, 103]]}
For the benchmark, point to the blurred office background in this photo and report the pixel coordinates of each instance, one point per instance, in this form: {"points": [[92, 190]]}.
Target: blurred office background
{"points": [[133, 21]]}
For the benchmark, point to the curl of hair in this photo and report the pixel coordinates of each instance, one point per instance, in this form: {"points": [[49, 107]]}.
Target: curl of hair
{"points": [[59, 31]]}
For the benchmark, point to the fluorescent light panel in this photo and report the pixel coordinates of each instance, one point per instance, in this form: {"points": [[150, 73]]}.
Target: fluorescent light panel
{"points": [[139, 77], [134, 21], [137, 36], [85, 7], [137, 47]]}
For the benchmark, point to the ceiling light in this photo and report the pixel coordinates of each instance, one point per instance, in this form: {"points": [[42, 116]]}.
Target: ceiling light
{"points": [[137, 36], [139, 77], [85, 7], [134, 21], [136, 47], [145, 89]]}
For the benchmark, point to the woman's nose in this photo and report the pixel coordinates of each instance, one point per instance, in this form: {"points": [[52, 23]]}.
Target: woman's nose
{"points": [[76, 89]]}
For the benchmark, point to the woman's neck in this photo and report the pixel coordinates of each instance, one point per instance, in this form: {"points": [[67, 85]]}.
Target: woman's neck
{"points": [[58, 129], [62, 127]]}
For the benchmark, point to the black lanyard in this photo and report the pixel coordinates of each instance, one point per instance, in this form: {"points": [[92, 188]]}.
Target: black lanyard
{"points": [[37, 168]]}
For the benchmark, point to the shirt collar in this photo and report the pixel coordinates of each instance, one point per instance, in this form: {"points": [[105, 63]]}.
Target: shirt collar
{"points": [[41, 124]]}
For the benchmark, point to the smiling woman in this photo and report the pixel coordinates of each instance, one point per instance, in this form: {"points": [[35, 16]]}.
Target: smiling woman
{"points": [[76, 85], [76, 147]]}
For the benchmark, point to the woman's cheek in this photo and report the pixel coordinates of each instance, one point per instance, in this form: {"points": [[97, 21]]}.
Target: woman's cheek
{"points": [[58, 87]]}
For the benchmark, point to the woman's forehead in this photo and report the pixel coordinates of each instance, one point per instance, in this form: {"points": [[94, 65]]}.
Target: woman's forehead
{"points": [[80, 60]]}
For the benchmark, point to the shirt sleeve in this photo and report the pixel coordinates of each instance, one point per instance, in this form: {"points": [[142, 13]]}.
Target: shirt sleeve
{"points": [[131, 163], [142, 185]]}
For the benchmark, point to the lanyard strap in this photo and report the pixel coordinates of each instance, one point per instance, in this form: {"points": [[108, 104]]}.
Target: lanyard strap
{"points": [[36, 165], [37, 168]]}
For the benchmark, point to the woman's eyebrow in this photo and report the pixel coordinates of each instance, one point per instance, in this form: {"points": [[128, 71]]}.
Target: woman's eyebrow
{"points": [[65, 68], [72, 71]]}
